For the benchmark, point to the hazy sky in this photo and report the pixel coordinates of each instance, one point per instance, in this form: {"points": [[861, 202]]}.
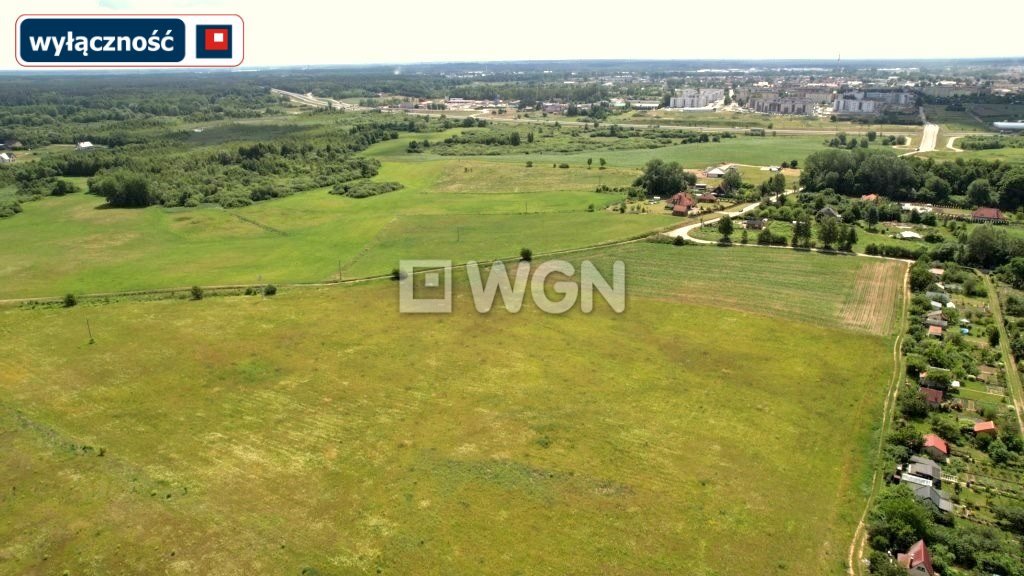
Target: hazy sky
{"points": [[296, 32]]}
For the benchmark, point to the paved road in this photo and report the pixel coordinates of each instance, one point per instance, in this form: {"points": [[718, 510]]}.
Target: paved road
{"points": [[685, 230], [928, 139]]}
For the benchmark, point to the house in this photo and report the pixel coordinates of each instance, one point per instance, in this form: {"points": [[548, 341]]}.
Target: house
{"points": [[924, 468], [935, 318], [6, 158], [828, 212], [987, 428], [936, 305], [700, 187], [935, 331], [869, 197], [916, 560], [993, 215], [932, 396], [681, 204], [936, 448], [722, 189], [754, 224], [83, 145], [937, 272], [937, 497], [707, 197]]}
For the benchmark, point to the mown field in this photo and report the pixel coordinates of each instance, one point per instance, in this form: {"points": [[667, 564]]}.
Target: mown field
{"points": [[452, 207], [720, 426]]}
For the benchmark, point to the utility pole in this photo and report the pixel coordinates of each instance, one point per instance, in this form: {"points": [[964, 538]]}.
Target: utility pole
{"points": [[89, 329]]}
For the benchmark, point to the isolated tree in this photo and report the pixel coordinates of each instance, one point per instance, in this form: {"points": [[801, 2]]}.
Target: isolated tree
{"points": [[590, 162], [979, 192], [526, 255], [70, 300], [529, 137], [602, 162], [733, 179], [778, 183], [514, 139], [197, 293], [725, 227], [872, 135], [269, 290], [872, 216], [993, 336], [743, 237], [828, 232]]}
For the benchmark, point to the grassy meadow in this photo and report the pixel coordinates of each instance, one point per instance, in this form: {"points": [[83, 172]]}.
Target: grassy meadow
{"points": [[720, 426], [457, 207]]}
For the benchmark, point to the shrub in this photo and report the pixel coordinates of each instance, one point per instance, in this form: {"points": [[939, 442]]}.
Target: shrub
{"points": [[526, 255], [365, 188], [678, 241], [563, 165], [397, 274], [70, 300], [197, 293], [529, 163], [269, 290]]}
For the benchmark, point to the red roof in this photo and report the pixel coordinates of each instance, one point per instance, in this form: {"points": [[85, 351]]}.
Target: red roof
{"points": [[681, 203], [931, 440], [917, 555], [935, 330], [985, 426], [932, 396], [988, 214], [708, 198], [869, 197]]}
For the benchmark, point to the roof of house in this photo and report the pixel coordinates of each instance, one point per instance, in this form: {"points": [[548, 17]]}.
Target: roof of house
{"points": [[924, 467], [932, 395], [908, 234], [869, 197], [916, 555], [985, 426], [988, 213], [828, 211], [937, 271], [708, 198], [936, 497], [934, 330], [931, 440]]}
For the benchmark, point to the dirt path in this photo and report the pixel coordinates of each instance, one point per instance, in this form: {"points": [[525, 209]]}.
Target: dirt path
{"points": [[1012, 376], [855, 554]]}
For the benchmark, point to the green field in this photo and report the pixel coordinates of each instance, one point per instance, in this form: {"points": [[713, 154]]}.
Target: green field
{"points": [[720, 426], [473, 207]]}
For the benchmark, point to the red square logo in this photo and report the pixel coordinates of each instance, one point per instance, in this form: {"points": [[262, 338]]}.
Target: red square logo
{"points": [[217, 39]]}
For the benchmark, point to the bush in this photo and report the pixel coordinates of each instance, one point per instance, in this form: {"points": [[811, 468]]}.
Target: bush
{"points": [[526, 255], [269, 290], [529, 163], [397, 274], [70, 300], [365, 188], [678, 241], [563, 165], [197, 293]]}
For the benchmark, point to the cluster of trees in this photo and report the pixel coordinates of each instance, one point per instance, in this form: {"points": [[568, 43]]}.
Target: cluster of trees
{"points": [[660, 178], [879, 171], [990, 142]]}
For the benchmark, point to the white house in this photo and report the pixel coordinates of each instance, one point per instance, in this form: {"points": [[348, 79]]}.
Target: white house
{"points": [[5, 158], [908, 235], [83, 145]]}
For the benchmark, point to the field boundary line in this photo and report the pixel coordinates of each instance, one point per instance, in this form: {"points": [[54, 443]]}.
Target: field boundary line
{"points": [[855, 564]]}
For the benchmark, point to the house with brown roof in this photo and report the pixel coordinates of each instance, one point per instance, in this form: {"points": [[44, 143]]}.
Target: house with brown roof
{"points": [[935, 331], [707, 197], [991, 215], [916, 560], [936, 448], [869, 197], [932, 396], [681, 204], [754, 224], [987, 428]]}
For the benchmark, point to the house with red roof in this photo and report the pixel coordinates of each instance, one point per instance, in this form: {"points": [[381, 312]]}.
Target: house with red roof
{"points": [[869, 197], [932, 396], [681, 204], [916, 560], [991, 215], [936, 447], [987, 428]]}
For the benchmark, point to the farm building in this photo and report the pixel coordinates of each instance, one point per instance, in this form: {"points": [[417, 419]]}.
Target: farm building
{"points": [[83, 145], [6, 158], [707, 197], [990, 215], [916, 560], [936, 448], [719, 171], [681, 204], [987, 428], [909, 235]]}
